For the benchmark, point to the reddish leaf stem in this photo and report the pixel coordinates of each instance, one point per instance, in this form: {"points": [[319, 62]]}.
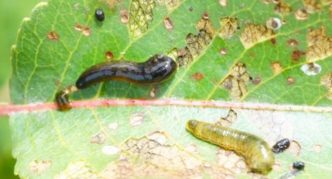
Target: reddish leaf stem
{"points": [[12, 109]]}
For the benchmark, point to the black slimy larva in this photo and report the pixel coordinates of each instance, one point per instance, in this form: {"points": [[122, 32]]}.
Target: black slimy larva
{"points": [[281, 145], [155, 70], [256, 152], [100, 15]]}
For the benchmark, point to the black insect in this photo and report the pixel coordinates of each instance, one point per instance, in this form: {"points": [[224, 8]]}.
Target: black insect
{"points": [[155, 70], [100, 15], [281, 145], [298, 165]]}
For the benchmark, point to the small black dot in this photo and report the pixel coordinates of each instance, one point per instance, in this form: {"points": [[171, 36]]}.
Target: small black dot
{"points": [[298, 165], [100, 15]]}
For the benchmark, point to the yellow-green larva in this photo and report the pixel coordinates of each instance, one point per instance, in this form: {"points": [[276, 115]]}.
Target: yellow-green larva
{"points": [[256, 152]]}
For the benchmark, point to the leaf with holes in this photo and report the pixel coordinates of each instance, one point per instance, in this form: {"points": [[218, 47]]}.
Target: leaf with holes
{"points": [[270, 62]]}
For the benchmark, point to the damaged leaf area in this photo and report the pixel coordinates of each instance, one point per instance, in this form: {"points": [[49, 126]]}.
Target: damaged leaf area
{"points": [[253, 51], [195, 44], [237, 81], [141, 16], [160, 147]]}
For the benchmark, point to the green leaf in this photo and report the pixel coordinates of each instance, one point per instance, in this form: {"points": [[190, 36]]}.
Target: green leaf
{"points": [[217, 62]]}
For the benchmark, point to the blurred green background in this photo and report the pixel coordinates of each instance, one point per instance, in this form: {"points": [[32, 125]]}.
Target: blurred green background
{"points": [[11, 15]]}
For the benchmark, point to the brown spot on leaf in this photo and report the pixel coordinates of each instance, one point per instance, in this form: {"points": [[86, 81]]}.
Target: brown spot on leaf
{"points": [[229, 25], [109, 55], [223, 51], [290, 80], [124, 16], [296, 55], [98, 138], [256, 80], [276, 67], [53, 35], [254, 34], [85, 30], [198, 76], [273, 41], [168, 24], [301, 14], [292, 42]]}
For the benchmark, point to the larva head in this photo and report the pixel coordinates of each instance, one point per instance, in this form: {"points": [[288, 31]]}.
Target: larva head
{"points": [[192, 125], [262, 158], [62, 101], [160, 67]]}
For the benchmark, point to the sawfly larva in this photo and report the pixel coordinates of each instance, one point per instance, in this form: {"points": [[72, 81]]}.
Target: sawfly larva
{"points": [[155, 70], [255, 151]]}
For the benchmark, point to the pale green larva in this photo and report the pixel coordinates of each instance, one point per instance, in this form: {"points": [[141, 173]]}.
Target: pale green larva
{"points": [[255, 151]]}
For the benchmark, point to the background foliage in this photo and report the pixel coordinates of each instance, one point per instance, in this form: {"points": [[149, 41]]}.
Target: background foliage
{"points": [[11, 14]]}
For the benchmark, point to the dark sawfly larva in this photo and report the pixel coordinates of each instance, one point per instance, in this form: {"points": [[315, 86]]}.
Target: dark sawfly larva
{"points": [[256, 152], [155, 70]]}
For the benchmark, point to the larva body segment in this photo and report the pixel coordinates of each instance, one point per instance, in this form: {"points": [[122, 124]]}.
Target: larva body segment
{"points": [[155, 70], [256, 152]]}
